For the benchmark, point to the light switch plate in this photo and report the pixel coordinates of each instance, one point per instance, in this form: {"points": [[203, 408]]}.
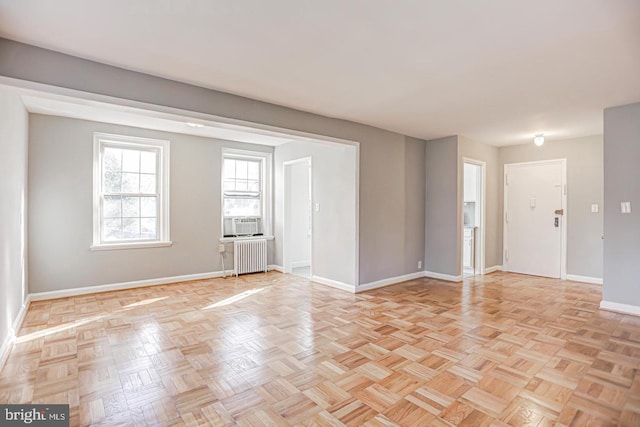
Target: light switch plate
{"points": [[625, 207], [594, 208]]}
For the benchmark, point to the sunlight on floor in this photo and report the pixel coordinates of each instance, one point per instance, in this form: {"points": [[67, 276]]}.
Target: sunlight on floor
{"points": [[84, 321], [233, 299], [145, 302]]}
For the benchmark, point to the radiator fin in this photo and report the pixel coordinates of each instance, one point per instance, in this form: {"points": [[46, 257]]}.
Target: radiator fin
{"points": [[249, 256]]}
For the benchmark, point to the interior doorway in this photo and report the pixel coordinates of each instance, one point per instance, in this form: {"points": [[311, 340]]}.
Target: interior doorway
{"points": [[297, 221], [535, 218], [473, 217]]}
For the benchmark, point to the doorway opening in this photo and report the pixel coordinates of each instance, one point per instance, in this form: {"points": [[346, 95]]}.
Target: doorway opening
{"points": [[473, 217], [297, 219]]}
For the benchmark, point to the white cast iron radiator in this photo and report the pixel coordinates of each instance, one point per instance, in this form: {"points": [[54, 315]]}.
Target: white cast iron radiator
{"points": [[249, 256]]}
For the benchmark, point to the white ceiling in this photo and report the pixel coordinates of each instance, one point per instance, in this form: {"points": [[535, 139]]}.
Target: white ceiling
{"points": [[498, 71]]}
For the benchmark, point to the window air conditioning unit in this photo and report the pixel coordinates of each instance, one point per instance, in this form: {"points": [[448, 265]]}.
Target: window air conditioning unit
{"points": [[244, 226]]}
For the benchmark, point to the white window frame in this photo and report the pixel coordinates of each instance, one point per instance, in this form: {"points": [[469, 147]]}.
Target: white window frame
{"points": [[100, 140], [266, 191]]}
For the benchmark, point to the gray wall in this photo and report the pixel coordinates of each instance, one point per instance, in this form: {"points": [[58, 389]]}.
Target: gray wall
{"points": [[442, 212], [13, 170], [383, 165], [493, 233], [334, 188], [414, 196], [61, 203], [584, 188], [622, 184]]}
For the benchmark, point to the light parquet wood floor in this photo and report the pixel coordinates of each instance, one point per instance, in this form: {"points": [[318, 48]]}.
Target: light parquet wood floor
{"points": [[274, 349]]}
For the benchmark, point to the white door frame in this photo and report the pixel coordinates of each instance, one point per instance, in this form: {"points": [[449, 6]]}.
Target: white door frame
{"points": [[285, 214], [483, 220], [565, 216]]}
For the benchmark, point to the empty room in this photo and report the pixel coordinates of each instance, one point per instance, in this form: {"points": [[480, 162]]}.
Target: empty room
{"points": [[250, 213]]}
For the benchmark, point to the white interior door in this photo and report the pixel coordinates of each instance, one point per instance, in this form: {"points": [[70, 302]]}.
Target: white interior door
{"points": [[535, 212]]}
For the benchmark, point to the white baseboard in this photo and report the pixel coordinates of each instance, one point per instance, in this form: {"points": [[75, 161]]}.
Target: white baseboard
{"points": [[7, 345], [333, 283], [492, 269], [620, 308], [584, 279], [390, 281], [441, 276], [5, 349], [63, 293], [276, 268], [299, 264], [17, 323]]}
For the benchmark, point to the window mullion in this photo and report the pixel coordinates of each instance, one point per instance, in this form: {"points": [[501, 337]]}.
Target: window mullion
{"points": [[132, 194]]}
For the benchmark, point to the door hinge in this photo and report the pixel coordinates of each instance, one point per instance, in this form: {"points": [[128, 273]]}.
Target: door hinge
{"points": [[506, 254], [506, 217], [565, 189], [506, 179]]}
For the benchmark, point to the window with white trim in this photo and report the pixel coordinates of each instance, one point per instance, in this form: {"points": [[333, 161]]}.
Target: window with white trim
{"points": [[246, 189], [131, 192]]}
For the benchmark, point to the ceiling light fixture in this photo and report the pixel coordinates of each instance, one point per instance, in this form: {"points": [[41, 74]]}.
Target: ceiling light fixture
{"points": [[195, 125], [538, 139]]}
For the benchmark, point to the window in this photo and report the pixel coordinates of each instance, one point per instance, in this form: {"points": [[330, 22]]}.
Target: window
{"points": [[245, 192], [131, 196], [242, 187]]}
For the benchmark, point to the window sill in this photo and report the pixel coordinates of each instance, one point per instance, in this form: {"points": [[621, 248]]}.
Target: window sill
{"points": [[141, 245], [233, 239]]}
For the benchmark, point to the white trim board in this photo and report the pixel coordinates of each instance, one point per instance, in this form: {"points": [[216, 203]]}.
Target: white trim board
{"points": [[390, 281], [584, 279], [333, 283], [441, 276], [492, 269], [7, 345], [5, 349], [272, 267], [299, 264], [17, 324], [63, 293], [620, 308]]}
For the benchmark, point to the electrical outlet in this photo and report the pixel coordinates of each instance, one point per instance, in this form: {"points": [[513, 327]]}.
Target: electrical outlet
{"points": [[221, 248], [419, 264], [594, 208]]}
